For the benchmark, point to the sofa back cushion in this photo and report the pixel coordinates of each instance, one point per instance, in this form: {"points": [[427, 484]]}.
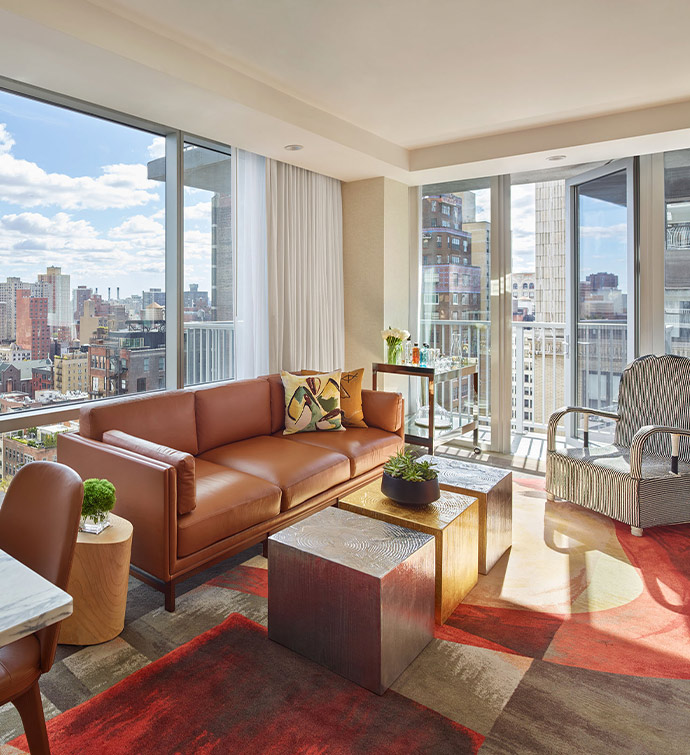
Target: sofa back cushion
{"points": [[165, 418], [231, 412]]}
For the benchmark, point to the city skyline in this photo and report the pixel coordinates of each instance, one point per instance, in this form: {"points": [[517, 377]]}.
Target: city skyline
{"points": [[89, 206]]}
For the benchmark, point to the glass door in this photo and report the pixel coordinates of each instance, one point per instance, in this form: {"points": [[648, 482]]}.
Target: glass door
{"points": [[600, 288]]}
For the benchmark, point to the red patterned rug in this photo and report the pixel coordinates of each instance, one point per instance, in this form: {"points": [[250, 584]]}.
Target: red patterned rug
{"points": [[232, 690], [576, 589]]}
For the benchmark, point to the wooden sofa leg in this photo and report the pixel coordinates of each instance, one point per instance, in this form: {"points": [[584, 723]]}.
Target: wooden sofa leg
{"points": [[30, 709], [637, 531], [550, 497], [264, 549], [169, 592]]}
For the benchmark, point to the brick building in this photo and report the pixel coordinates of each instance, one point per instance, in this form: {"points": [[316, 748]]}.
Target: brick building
{"points": [[33, 332]]}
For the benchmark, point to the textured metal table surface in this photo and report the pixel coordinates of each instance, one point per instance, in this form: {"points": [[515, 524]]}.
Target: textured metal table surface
{"points": [[477, 477], [370, 546]]}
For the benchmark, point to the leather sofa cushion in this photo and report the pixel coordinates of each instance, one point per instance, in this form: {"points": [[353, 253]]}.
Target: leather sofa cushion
{"points": [[182, 462], [20, 663], [231, 412], [163, 418], [366, 448], [227, 502], [299, 470], [383, 410]]}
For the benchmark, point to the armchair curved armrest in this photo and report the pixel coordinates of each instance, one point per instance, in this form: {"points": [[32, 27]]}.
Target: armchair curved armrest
{"points": [[558, 415], [639, 440]]}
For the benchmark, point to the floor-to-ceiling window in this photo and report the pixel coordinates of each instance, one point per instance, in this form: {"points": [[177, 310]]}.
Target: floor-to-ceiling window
{"points": [[91, 227], [82, 250], [677, 252], [456, 285]]}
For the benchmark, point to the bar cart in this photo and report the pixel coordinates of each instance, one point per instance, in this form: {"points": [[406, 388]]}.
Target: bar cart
{"points": [[462, 422]]}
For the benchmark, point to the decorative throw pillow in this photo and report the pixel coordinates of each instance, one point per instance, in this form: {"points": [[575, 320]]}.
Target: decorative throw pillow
{"points": [[312, 402], [350, 396]]}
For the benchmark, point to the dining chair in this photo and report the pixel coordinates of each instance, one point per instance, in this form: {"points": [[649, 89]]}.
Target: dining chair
{"points": [[39, 521]]}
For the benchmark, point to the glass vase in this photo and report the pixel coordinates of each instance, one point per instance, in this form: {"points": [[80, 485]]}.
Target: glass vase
{"points": [[393, 352]]}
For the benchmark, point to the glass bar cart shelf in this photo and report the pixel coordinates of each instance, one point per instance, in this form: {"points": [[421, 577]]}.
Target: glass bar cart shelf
{"points": [[462, 422]]}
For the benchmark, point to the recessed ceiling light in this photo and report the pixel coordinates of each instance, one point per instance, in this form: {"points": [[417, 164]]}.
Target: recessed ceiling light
{"points": [[293, 147], [556, 157]]}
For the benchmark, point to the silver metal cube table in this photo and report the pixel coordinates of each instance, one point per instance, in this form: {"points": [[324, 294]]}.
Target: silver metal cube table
{"points": [[352, 593]]}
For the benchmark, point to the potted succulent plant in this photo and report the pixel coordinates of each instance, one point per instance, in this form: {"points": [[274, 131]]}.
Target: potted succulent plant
{"points": [[408, 481], [99, 499]]}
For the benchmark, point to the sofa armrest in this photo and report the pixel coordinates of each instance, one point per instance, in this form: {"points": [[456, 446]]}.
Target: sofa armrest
{"points": [[146, 493], [182, 462], [385, 410]]}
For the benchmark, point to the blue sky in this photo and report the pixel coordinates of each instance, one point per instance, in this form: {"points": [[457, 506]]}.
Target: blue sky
{"points": [[74, 193]]}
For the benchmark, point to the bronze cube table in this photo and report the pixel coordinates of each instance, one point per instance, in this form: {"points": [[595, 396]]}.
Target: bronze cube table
{"points": [[453, 522], [493, 488], [353, 594]]}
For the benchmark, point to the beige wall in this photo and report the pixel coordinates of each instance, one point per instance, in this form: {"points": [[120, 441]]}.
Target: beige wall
{"points": [[376, 267]]}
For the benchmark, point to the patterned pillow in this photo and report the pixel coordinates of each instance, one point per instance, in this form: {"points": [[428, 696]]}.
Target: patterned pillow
{"points": [[311, 402], [350, 396]]}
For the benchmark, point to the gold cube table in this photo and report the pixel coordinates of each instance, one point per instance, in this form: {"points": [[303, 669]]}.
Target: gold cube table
{"points": [[493, 488], [453, 521]]}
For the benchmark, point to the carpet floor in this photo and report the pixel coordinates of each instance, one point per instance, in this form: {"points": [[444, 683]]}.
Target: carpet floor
{"points": [[578, 641]]}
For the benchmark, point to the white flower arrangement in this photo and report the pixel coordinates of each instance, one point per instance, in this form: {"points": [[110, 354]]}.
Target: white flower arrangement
{"points": [[394, 335]]}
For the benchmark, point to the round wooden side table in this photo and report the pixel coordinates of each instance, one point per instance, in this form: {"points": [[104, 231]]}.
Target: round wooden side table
{"points": [[98, 585]]}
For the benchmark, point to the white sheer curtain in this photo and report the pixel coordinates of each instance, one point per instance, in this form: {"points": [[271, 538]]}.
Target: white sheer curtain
{"points": [[305, 269], [251, 321]]}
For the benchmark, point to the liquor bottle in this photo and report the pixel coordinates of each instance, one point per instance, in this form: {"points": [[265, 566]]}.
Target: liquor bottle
{"points": [[415, 354]]}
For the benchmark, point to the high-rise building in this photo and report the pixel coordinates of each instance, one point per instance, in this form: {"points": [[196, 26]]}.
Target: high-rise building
{"points": [[32, 324], [8, 295], [549, 251], [222, 266], [59, 308], [79, 295], [153, 295]]}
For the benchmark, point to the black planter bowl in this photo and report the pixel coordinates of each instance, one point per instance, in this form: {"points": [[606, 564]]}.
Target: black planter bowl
{"points": [[410, 493]]}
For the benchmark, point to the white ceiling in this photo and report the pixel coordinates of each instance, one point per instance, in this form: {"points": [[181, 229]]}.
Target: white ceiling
{"points": [[415, 90], [417, 73]]}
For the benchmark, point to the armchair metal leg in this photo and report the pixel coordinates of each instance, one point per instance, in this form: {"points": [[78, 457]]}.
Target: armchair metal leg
{"points": [[637, 531], [30, 709]]}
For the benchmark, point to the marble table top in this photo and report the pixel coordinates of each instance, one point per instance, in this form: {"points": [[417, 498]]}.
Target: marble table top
{"points": [[478, 477], [27, 601]]}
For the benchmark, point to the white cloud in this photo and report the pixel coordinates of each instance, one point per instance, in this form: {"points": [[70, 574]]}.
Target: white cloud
{"points": [[157, 147], [6, 140], [61, 224], [199, 211], [617, 231], [25, 183], [135, 245]]}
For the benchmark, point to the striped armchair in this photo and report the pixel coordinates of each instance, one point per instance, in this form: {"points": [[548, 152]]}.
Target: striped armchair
{"points": [[643, 479]]}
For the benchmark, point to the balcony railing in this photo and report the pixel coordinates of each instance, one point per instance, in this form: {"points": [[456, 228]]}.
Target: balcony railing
{"points": [[209, 349], [540, 350]]}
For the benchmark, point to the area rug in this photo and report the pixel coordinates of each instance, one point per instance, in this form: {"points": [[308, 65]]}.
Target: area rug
{"points": [[231, 690], [575, 589]]}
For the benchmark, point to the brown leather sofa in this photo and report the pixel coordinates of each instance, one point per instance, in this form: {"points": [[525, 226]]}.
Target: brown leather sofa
{"points": [[204, 473]]}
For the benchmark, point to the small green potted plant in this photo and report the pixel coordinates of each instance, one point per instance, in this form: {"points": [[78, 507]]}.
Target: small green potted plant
{"points": [[99, 499], [408, 481]]}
